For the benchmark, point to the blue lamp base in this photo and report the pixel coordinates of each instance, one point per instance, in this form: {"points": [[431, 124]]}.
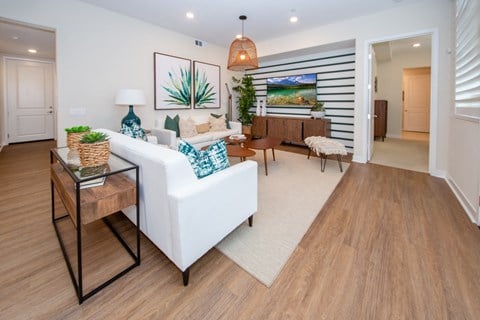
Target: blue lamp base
{"points": [[131, 118]]}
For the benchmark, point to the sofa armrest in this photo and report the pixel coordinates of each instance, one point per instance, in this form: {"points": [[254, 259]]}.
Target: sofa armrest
{"points": [[165, 136], [204, 212]]}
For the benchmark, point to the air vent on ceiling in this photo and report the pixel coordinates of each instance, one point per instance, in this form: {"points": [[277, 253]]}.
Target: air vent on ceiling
{"points": [[200, 43]]}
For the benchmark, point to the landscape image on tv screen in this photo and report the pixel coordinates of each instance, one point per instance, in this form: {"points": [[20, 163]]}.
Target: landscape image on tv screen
{"points": [[299, 90]]}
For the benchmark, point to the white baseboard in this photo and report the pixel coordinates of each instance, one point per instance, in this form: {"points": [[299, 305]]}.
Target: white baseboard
{"points": [[439, 174], [358, 159], [467, 206]]}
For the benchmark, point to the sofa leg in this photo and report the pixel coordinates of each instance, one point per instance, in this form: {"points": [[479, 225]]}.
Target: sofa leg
{"points": [[186, 276], [250, 221]]}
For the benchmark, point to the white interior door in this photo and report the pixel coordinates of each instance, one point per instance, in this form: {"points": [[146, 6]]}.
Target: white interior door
{"points": [[30, 100], [416, 99]]}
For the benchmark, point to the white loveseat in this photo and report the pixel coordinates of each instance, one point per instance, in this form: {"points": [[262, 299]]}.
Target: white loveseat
{"points": [[182, 215], [169, 138]]}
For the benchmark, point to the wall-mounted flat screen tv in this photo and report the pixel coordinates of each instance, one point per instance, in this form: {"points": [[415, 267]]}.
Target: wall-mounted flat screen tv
{"points": [[299, 90]]}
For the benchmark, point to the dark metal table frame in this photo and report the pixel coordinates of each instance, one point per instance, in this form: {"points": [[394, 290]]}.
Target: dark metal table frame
{"points": [[78, 284]]}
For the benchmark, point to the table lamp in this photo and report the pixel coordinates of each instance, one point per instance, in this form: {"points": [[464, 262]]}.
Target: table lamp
{"points": [[130, 97]]}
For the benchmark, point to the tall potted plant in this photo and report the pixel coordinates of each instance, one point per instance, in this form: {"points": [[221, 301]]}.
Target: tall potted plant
{"points": [[246, 98]]}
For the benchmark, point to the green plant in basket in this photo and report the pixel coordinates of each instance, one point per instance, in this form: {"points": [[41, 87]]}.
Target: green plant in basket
{"points": [[77, 129], [318, 106], [94, 137]]}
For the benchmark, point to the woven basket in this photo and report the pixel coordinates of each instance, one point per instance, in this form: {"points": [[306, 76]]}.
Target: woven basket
{"points": [[73, 139], [94, 154]]}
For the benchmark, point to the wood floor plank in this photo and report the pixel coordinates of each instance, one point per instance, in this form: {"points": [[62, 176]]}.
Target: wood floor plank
{"points": [[388, 244]]}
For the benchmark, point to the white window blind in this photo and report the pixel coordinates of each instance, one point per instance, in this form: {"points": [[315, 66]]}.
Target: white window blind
{"points": [[467, 57]]}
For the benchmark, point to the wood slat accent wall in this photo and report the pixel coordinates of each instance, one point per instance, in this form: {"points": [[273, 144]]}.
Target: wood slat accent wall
{"points": [[335, 86]]}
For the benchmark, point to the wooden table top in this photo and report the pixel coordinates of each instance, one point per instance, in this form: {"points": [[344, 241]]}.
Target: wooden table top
{"points": [[238, 151], [263, 143]]}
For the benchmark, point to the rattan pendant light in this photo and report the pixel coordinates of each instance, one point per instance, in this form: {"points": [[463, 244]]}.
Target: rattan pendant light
{"points": [[243, 53]]}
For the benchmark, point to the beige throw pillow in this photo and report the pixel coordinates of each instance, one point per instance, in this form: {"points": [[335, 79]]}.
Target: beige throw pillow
{"points": [[217, 124], [203, 127], [187, 127]]}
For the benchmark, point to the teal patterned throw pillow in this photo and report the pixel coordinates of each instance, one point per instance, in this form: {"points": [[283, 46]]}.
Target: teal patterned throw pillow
{"points": [[205, 162], [134, 131]]}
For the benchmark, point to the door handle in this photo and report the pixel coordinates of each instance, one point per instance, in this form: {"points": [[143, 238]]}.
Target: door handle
{"points": [[50, 111], [375, 116]]}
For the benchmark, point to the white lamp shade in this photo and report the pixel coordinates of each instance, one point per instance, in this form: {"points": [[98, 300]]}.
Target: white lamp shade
{"points": [[130, 97]]}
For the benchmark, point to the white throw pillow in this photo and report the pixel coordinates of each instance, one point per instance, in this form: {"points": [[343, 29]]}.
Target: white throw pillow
{"points": [[217, 124], [187, 127]]}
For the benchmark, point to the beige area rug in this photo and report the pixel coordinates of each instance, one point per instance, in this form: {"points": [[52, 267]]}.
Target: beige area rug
{"points": [[401, 153], [289, 199]]}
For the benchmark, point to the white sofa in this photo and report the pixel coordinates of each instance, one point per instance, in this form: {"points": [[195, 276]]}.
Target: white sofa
{"points": [[169, 138], [182, 215]]}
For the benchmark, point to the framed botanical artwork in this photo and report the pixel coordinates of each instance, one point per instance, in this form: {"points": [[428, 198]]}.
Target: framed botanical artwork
{"points": [[172, 81], [206, 85]]}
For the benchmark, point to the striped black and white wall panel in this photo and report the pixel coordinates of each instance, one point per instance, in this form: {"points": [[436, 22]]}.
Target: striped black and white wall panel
{"points": [[335, 72]]}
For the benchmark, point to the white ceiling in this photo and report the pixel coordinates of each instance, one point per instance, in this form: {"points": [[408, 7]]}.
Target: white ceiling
{"points": [[215, 21], [385, 51]]}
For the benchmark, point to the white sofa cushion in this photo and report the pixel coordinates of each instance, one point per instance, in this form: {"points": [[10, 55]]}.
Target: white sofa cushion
{"points": [[187, 127], [217, 124], [168, 137]]}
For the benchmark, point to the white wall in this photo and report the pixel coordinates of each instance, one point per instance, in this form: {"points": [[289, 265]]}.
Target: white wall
{"points": [[464, 164], [99, 52], [423, 17], [390, 85], [464, 154]]}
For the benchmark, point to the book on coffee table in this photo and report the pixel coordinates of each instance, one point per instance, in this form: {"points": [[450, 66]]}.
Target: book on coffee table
{"points": [[86, 172]]}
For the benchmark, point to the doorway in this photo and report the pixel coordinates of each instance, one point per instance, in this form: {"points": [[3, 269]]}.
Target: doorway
{"points": [[30, 100], [416, 100], [27, 97], [400, 67]]}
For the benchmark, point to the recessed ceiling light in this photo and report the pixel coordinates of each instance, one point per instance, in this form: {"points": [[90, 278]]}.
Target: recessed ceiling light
{"points": [[293, 19], [32, 50], [15, 38], [416, 45], [190, 15]]}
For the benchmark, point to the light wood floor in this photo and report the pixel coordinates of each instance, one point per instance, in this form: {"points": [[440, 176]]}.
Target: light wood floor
{"points": [[389, 244]]}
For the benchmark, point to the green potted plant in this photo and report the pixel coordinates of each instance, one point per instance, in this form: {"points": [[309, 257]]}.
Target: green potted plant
{"points": [[318, 110], [246, 98], [94, 149], [74, 134]]}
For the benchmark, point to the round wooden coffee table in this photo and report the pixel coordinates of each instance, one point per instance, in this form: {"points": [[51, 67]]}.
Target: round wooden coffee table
{"points": [[264, 144], [239, 152]]}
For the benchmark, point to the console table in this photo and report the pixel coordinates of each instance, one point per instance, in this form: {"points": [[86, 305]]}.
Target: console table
{"points": [[290, 129], [87, 205]]}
